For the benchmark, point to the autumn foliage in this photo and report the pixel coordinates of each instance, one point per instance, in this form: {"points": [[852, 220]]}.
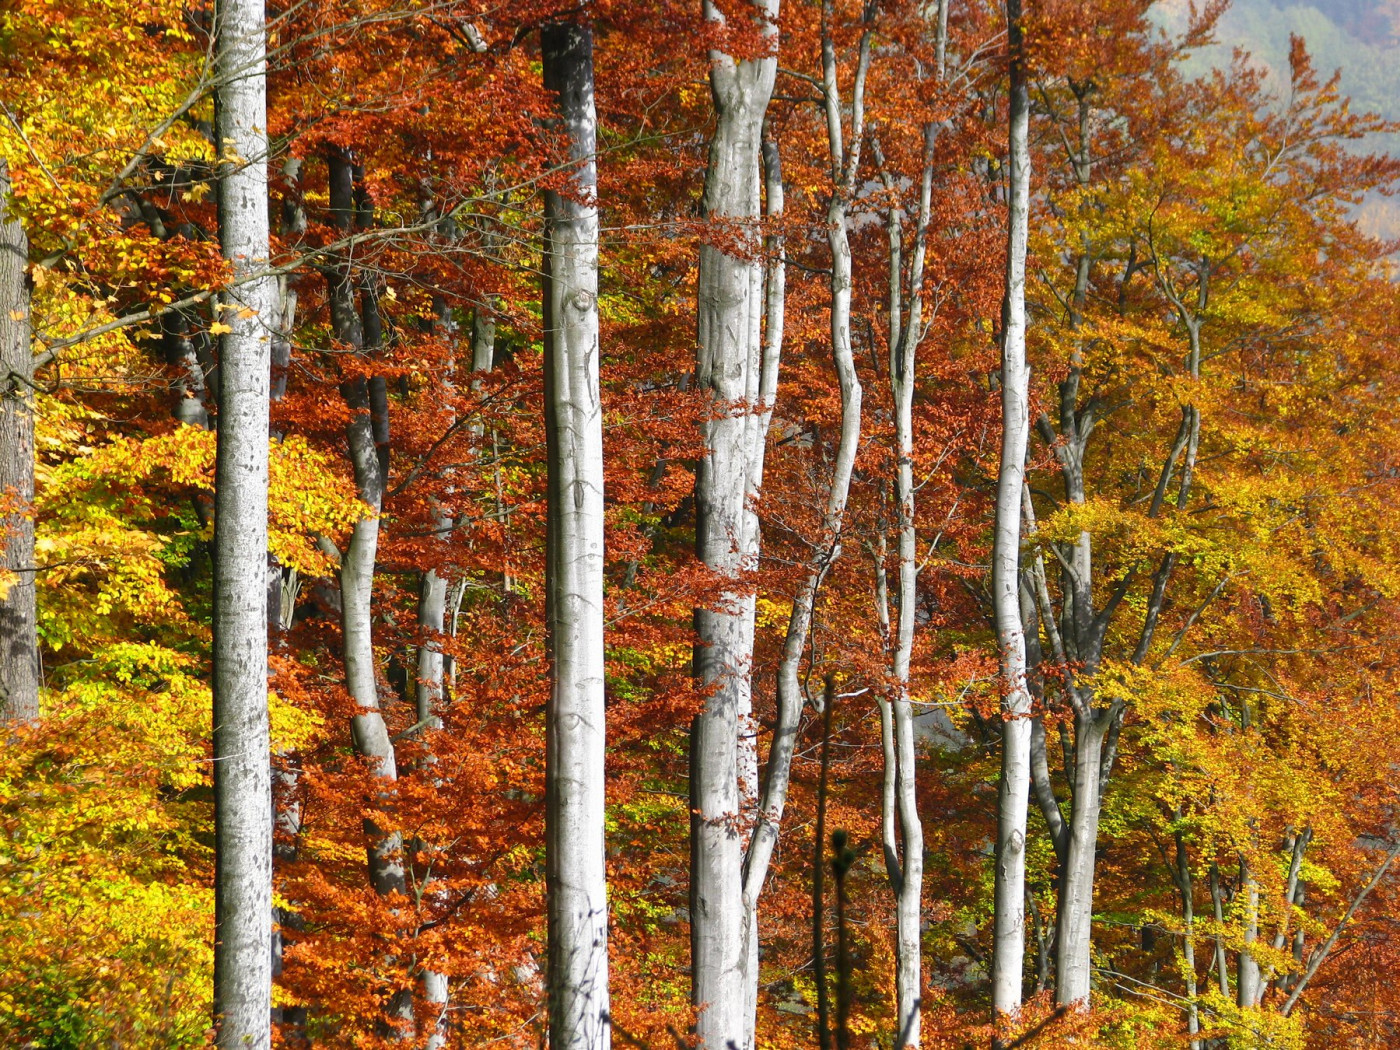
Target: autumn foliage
{"points": [[1215, 354]]}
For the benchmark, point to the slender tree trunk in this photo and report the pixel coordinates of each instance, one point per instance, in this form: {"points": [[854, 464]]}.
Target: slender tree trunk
{"points": [[432, 619], [242, 773], [1217, 900], [432, 615], [433, 587], [282, 587], [436, 994], [1182, 877], [789, 713], [730, 369], [845, 164], [1008, 949], [900, 817], [180, 354], [359, 330], [1297, 846], [19, 643], [1248, 986], [368, 730], [819, 873], [574, 774], [431, 694]]}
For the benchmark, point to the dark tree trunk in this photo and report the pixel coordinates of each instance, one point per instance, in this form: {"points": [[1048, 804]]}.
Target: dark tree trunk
{"points": [[19, 647]]}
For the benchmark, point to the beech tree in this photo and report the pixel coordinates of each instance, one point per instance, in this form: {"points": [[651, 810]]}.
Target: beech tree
{"points": [[731, 369], [506, 748], [576, 731], [241, 752], [19, 642], [1009, 935]]}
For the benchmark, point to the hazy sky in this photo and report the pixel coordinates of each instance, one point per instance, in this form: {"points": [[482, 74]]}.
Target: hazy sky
{"points": [[1359, 37]]}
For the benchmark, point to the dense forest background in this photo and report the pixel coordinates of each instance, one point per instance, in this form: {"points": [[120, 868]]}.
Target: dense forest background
{"points": [[846, 523]]}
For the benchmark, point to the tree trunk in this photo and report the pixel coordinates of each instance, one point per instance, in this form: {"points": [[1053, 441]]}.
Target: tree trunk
{"points": [[1249, 986], [575, 728], [1217, 901], [1008, 949], [1182, 877], [19, 643], [433, 587], [789, 715], [183, 357], [900, 817], [369, 733], [1073, 956], [436, 995], [358, 329], [729, 368], [242, 775], [430, 692]]}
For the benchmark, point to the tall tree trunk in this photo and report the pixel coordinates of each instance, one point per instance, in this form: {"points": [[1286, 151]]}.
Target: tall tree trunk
{"points": [[844, 165], [789, 715], [575, 858], [1297, 844], [283, 583], [899, 801], [1008, 949], [368, 730], [19, 643], [729, 368], [241, 764], [433, 587], [431, 691], [357, 329], [819, 871]]}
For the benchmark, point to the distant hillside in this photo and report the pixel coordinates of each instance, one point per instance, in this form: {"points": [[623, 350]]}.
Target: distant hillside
{"points": [[1359, 37]]}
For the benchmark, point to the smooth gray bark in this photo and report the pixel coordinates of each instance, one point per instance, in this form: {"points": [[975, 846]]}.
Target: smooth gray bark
{"points": [[435, 994], [182, 354], [19, 642], [1217, 900], [1248, 985], [1077, 634], [1297, 846], [433, 587], [575, 861], [900, 822], [1009, 935], [431, 693], [283, 584], [1181, 875], [789, 715], [241, 763], [1074, 959], [432, 619], [845, 164], [730, 369], [369, 734], [827, 549]]}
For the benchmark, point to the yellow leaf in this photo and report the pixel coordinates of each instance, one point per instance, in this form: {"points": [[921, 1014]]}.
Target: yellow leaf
{"points": [[219, 328]]}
